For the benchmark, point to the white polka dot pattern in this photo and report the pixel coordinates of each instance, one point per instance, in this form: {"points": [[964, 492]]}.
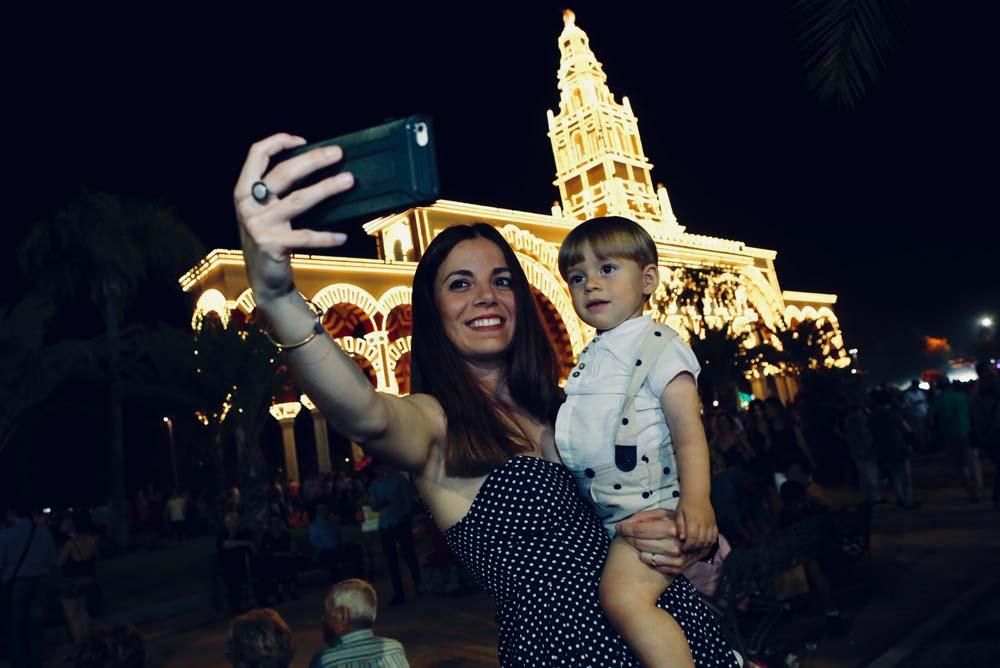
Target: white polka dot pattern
{"points": [[537, 547]]}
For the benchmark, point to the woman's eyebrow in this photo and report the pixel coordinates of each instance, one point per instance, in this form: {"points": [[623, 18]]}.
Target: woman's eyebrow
{"points": [[465, 273], [458, 272]]}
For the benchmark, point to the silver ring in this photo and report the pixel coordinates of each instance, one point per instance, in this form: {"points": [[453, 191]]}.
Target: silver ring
{"points": [[260, 191]]}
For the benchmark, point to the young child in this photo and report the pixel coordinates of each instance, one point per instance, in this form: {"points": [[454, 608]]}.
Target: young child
{"points": [[630, 430]]}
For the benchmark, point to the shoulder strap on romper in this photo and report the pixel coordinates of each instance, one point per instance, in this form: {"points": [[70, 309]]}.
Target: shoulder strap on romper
{"points": [[649, 351]]}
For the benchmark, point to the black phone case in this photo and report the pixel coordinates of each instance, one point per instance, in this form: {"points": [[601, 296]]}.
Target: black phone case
{"points": [[394, 167]]}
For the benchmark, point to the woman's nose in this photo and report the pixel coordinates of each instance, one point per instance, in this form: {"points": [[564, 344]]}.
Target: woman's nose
{"points": [[485, 295]]}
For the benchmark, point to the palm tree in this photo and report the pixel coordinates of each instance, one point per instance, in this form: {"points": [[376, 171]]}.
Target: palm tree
{"points": [[104, 247], [32, 372], [238, 372], [724, 360], [802, 346]]}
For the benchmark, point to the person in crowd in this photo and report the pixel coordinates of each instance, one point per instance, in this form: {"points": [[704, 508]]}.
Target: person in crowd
{"points": [[761, 467], [232, 501], [277, 501], [735, 491], [797, 507], [790, 456], [235, 549], [440, 573], [259, 638], [950, 416], [27, 554], [77, 562], [889, 432], [347, 500], [332, 552], [348, 616], [101, 517], [276, 561], [985, 414], [855, 429], [389, 494], [175, 512], [478, 424], [119, 646], [915, 408]]}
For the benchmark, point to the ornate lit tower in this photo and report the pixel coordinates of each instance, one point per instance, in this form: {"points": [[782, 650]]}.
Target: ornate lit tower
{"points": [[600, 165]]}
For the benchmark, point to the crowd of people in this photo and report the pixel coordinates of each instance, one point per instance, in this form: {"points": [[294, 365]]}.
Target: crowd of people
{"points": [[348, 521], [261, 638], [341, 519], [755, 452]]}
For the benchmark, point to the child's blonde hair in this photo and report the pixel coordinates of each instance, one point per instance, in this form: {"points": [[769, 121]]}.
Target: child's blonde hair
{"points": [[608, 236]]}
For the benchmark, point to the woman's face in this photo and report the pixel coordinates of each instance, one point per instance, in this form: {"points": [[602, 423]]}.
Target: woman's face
{"points": [[475, 299]]}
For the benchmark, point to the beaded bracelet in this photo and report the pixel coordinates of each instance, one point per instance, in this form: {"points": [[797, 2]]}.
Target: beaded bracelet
{"points": [[316, 331]]}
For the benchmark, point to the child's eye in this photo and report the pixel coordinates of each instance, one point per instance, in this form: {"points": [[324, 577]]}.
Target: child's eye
{"points": [[576, 279], [608, 268]]}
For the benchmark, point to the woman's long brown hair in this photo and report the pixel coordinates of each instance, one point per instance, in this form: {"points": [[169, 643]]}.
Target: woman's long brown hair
{"points": [[479, 439]]}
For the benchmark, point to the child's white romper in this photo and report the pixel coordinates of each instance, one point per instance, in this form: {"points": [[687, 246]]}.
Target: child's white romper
{"points": [[617, 447]]}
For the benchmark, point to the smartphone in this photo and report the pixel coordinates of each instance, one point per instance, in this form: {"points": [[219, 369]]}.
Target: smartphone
{"points": [[394, 167]]}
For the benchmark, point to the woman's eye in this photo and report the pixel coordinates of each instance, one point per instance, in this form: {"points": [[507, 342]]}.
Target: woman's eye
{"points": [[504, 282], [458, 284]]}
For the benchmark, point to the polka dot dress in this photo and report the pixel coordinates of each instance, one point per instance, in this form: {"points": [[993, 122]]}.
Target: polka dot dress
{"points": [[537, 547]]}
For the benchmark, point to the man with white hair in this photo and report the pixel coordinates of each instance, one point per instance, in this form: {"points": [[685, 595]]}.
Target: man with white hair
{"points": [[349, 613]]}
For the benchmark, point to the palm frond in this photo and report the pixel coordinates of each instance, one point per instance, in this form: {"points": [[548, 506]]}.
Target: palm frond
{"points": [[847, 45]]}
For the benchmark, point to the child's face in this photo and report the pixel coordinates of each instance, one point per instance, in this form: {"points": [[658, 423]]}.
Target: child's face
{"points": [[607, 291]]}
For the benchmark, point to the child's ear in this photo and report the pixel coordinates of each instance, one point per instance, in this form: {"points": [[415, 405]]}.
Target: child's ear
{"points": [[650, 279]]}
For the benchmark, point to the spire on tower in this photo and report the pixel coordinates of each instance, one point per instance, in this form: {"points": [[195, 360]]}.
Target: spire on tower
{"points": [[601, 168]]}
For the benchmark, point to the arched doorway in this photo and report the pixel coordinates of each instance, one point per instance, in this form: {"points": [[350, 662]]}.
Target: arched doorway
{"points": [[342, 320], [399, 326], [555, 330]]}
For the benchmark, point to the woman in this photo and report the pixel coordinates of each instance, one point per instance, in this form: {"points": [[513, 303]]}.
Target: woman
{"points": [[477, 433], [77, 564]]}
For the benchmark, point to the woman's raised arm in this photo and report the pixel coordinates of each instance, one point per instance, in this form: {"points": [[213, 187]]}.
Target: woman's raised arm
{"points": [[401, 429]]}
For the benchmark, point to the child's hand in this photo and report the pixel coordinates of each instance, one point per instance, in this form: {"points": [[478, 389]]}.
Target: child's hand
{"points": [[696, 524]]}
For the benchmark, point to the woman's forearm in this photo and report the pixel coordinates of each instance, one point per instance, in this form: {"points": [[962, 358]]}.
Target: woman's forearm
{"points": [[326, 374]]}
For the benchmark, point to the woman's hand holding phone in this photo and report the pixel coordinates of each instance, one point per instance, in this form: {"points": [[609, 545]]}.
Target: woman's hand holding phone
{"points": [[266, 233]]}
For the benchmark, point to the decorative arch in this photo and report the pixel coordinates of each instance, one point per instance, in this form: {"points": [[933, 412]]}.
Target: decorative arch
{"points": [[394, 297], [399, 322], [365, 354], [555, 330], [540, 259], [767, 301], [344, 319], [399, 354], [245, 302], [542, 280], [210, 301], [345, 293]]}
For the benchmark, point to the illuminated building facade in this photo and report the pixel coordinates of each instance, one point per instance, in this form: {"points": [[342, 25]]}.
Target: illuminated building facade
{"points": [[601, 169]]}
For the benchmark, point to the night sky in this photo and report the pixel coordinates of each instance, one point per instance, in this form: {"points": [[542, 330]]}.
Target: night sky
{"points": [[888, 206]]}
